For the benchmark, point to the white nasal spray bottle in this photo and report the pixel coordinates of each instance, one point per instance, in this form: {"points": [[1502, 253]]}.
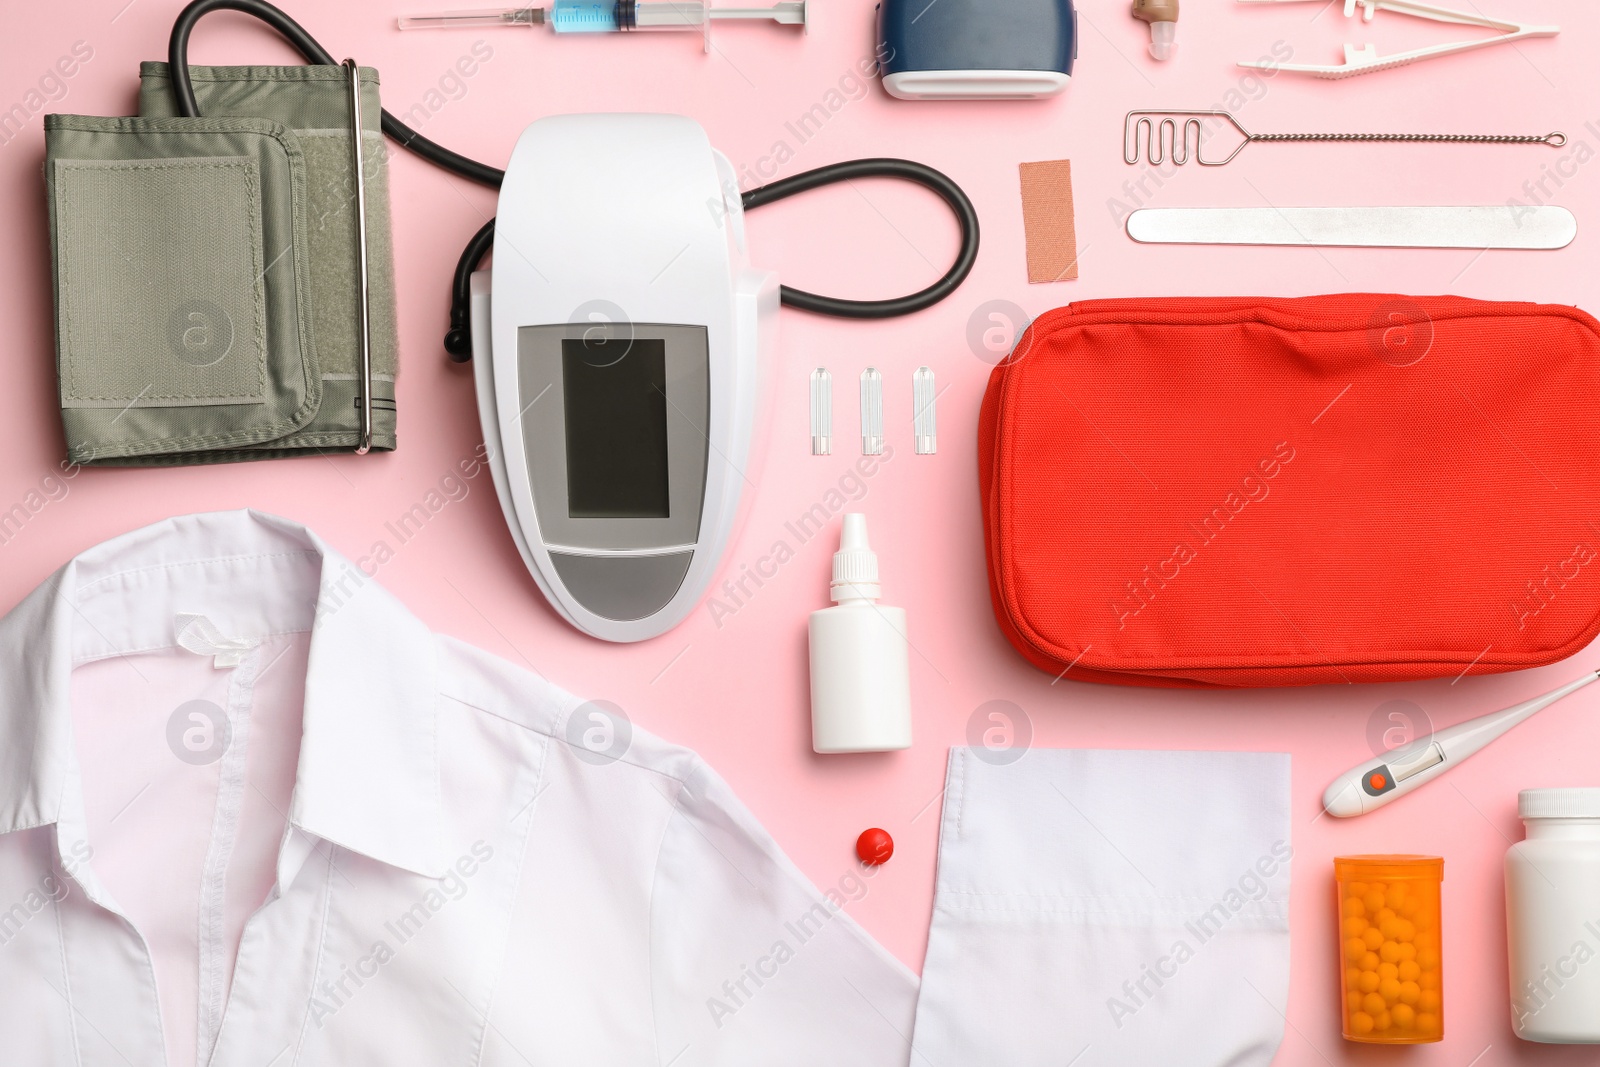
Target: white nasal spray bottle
{"points": [[860, 658]]}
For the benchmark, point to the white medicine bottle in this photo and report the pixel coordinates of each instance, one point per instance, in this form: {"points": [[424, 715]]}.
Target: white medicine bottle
{"points": [[860, 657], [1553, 917]]}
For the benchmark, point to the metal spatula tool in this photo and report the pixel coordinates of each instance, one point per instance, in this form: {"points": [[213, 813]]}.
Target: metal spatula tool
{"points": [[1497, 226]]}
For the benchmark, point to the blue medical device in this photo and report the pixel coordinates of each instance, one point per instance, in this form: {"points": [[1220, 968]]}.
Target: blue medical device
{"points": [[976, 49]]}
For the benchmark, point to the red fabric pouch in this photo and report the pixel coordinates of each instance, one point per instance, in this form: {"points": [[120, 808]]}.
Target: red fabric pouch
{"points": [[1258, 492]]}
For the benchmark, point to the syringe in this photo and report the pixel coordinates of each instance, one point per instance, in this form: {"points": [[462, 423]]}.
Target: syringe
{"points": [[613, 16]]}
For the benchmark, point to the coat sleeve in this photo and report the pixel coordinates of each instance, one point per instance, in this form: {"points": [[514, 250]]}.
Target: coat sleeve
{"points": [[751, 964]]}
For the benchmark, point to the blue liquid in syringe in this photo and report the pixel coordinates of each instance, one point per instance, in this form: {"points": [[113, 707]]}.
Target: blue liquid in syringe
{"points": [[584, 16]]}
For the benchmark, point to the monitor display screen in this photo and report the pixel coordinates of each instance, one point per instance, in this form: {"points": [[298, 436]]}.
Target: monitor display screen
{"points": [[616, 424]]}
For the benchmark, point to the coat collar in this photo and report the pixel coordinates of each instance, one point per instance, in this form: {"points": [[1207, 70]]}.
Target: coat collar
{"points": [[368, 775]]}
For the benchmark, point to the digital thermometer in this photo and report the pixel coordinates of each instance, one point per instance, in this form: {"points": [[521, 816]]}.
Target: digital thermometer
{"points": [[619, 364], [1394, 774]]}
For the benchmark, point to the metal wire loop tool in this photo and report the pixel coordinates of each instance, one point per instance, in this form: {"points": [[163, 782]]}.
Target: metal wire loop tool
{"points": [[1181, 135]]}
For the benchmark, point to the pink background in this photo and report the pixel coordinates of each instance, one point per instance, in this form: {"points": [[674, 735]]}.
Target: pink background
{"points": [[738, 692]]}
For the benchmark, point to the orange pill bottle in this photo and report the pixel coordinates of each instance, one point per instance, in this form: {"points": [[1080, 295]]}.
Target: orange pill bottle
{"points": [[1391, 975]]}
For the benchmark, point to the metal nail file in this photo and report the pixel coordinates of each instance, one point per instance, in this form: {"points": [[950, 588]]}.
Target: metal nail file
{"points": [[1498, 226]]}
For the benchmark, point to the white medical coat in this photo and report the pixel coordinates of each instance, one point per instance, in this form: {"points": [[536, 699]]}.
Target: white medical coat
{"points": [[252, 812]]}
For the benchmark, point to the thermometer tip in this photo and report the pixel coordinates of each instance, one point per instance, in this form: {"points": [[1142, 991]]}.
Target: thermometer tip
{"points": [[1343, 799]]}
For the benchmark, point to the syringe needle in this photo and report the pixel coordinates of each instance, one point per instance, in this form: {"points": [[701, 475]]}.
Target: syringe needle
{"points": [[515, 16]]}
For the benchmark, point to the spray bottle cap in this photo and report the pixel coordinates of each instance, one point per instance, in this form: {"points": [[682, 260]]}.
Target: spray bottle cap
{"points": [[855, 565]]}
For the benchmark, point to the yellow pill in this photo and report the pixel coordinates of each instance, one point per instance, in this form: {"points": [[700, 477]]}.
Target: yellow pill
{"points": [[1395, 897], [1373, 901], [1361, 1023], [1356, 889], [1383, 915], [1404, 930], [1369, 962], [1372, 1004], [1403, 1016], [1410, 992], [1369, 981], [1389, 952], [1428, 1001], [1356, 927], [1354, 909], [1427, 958], [1373, 937], [1352, 978], [1354, 949], [1381, 1021], [1408, 971], [1388, 971], [1427, 1023], [1389, 990], [1429, 980], [1390, 928], [1409, 909], [1379, 887], [1425, 939], [1408, 951]]}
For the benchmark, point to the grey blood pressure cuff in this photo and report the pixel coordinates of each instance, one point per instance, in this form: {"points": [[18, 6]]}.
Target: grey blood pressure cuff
{"points": [[208, 288]]}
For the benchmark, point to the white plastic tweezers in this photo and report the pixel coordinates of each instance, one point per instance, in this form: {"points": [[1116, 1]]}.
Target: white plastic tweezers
{"points": [[1365, 60]]}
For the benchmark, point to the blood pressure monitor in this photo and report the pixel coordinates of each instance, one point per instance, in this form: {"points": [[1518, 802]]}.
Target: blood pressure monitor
{"points": [[620, 339]]}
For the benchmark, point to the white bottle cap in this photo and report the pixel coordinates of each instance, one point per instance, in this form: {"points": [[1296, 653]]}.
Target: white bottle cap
{"points": [[855, 565], [1558, 804], [1163, 39]]}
